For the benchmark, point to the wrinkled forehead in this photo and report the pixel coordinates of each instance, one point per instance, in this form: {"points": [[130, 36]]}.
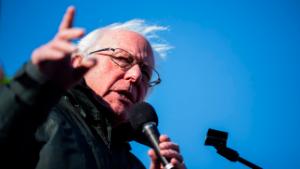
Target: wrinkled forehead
{"points": [[130, 41]]}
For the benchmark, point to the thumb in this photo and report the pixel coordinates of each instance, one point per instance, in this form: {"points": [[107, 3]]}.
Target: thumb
{"points": [[155, 164], [152, 155]]}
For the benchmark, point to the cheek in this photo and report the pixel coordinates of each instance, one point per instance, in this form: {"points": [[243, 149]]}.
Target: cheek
{"points": [[101, 77], [142, 92]]}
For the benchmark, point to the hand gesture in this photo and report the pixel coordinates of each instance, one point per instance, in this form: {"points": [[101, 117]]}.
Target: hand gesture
{"points": [[54, 58], [169, 150]]}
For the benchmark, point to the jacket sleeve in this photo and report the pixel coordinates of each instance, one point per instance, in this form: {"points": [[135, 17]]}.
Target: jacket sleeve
{"points": [[24, 104]]}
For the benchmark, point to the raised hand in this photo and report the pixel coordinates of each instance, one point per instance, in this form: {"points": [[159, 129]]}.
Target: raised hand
{"points": [[54, 58], [169, 150]]}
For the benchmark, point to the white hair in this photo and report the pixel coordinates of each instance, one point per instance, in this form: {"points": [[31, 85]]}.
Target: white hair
{"points": [[159, 46]]}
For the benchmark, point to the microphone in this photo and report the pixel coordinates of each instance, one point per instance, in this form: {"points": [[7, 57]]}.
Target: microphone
{"points": [[143, 119], [218, 139]]}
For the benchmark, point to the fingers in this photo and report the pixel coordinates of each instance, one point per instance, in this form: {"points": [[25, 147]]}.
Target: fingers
{"points": [[169, 145], [169, 150], [54, 58], [46, 53], [171, 154], [152, 155], [155, 164], [63, 46], [54, 50], [178, 164], [67, 20], [52, 54], [66, 33], [69, 34], [164, 138]]}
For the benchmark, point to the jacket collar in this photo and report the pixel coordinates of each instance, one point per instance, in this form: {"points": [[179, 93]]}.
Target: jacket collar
{"points": [[98, 115]]}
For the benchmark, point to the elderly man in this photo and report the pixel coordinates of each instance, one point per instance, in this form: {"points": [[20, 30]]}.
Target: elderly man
{"points": [[68, 107]]}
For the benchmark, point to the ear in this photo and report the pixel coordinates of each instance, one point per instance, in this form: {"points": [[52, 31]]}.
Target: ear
{"points": [[76, 60]]}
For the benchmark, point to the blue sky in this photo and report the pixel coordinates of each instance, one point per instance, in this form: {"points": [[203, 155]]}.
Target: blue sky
{"points": [[234, 67]]}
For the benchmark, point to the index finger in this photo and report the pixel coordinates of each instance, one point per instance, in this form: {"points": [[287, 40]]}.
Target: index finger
{"points": [[164, 138], [67, 20]]}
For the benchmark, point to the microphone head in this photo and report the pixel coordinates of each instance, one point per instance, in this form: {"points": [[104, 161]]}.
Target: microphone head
{"points": [[140, 114]]}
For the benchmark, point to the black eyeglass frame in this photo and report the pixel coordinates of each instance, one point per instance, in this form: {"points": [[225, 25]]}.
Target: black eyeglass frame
{"points": [[150, 83]]}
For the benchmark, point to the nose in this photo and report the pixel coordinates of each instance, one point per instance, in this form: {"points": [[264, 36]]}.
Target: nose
{"points": [[134, 74]]}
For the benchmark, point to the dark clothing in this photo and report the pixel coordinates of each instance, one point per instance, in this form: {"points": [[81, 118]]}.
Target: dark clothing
{"points": [[43, 127]]}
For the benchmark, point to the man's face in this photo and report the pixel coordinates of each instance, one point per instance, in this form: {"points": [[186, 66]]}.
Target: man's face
{"points": [[119, 87]]}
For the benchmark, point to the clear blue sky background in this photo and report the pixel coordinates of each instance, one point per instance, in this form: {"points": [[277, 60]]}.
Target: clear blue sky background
{"points": [[235, 67]]}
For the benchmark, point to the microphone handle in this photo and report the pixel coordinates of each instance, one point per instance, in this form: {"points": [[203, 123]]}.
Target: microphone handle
{"points": [[151, 132]]}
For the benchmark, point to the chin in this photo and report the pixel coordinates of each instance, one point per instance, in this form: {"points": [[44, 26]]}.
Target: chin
{"points": [[120, 113]]}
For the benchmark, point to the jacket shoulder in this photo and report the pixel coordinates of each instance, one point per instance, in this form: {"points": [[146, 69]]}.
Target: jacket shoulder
{"points": [[63, 144]]}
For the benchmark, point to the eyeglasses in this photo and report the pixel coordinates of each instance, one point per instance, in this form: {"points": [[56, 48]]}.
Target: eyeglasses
{"points": [[125, 60]]}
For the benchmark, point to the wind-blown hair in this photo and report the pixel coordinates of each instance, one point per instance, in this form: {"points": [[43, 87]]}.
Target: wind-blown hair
{"points": [[160, 47]]}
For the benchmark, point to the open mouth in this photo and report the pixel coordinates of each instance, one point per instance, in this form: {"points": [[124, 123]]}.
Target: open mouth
{"points": [[127, 96]]}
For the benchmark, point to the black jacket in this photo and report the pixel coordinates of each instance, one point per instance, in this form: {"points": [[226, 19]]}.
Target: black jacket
{"points": [[43, 127]]}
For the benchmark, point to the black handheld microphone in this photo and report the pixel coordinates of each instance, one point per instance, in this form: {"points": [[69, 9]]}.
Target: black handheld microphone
{"points": [[143, 118]]}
